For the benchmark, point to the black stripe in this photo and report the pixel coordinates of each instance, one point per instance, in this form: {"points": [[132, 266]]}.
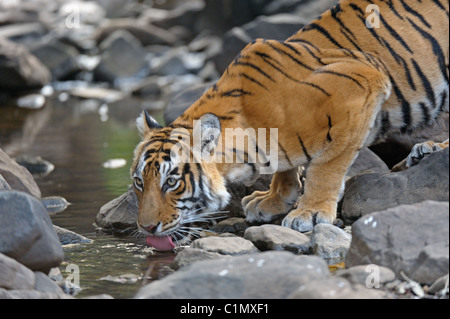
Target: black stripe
{"points": [[330, 125], [305, 151], [440, 5], [290, 47], [318, 59], [363, 20], [334, 14], [305, 42], [395, 34], [235, 93], [426, 84], [285, 154], [290, 56], [415, 13], [385, 123], [425, 112], [266, 56], [279, 70], [314, 26], [406, 107], [248, 77], [442, 106], [437, 50], [339, 74], [316, 87], [255, 68]]}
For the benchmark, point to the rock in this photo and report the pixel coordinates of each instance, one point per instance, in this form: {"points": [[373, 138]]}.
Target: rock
{"points": [[44, 284], [274, 237], [429, 180], [335, 288], [17, 177], [368, 275], [147, 34], [409, 238], [67, 237], [269, 275], [29, 237], [55, 204], [233, 225], [119, 216], [4, 186], [439, 285], [225, 245], [122, 56], [20, 69], [367, 161], [330, 242], [36, 165], [32, 101], [14, 275], [190, 255], [59, 58]]}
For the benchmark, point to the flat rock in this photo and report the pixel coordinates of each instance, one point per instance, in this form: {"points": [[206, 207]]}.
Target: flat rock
{"points": [[225, 245], [190, 255], [14, 275], [274, 237], [269, 275], [29, 237], [409, 238], [330, 242], [368, 275]]}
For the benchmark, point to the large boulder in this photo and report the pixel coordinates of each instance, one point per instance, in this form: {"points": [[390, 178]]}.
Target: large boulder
{"points": [[19, 69], [29, 236], [270, 275], [409, 238], [367, 193]]}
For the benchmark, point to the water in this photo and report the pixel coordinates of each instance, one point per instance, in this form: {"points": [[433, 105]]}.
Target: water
{"points": [[78, 136]]}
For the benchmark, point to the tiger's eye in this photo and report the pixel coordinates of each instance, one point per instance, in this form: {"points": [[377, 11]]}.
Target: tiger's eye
{"points": [[138, 183], [171, 181]]}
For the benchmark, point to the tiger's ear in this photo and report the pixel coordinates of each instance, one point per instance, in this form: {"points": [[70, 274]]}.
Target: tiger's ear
{"points": [[207, 130], [145, 123]]}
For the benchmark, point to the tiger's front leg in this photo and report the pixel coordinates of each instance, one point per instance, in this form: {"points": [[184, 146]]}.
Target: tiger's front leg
{"points": [[264, 207]]}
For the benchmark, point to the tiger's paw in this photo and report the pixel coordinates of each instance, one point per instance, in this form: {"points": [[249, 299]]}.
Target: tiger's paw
{"points": [[264, 207], [304, 220], [419, 151]]}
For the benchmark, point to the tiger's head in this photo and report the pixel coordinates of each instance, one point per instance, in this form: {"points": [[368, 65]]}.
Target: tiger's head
{"points": [[175, 193]]}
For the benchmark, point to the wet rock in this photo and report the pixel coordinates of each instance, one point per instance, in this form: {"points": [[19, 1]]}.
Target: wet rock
{"points": [[190, 255], [55, 204], [270, 275], [119, 216], [36, 165], [122, 56], [58, 57], [365, 275], [20, 69], [274, 237], [67, 237], [29, 237], [17, 177], [335, 288], [32, 101], [429, 180], [409, 238], [330, 242], [225, 245]]}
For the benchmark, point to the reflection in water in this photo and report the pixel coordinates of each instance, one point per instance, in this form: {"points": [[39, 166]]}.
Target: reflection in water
{"points": [[74, 136]]}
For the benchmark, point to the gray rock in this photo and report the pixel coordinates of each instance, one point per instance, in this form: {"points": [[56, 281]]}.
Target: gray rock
{"points": [[14, 275], [409, 238], [17, 177], [119, 216], [190, 255], [439, 285], [29, 237], [67, 237], [335, 288], [330, 242], [20, 69], [274, 237], [367, 193], [368, 274], [269, 275], [122, 56], [58, 57], [36, 165], [233, 225], [30, 294], [367, 161], [44, 284], [4, 186], [225, 245]]}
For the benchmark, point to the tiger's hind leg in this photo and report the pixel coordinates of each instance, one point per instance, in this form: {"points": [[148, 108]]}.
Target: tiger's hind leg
{"points": [[419, 151], [264, 207]]}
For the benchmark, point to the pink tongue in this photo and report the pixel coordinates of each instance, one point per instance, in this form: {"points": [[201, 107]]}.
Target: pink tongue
{"points": [[160, 243]]}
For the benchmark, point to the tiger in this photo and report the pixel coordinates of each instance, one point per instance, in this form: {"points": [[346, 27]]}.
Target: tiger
{"points": [[340, 83]]}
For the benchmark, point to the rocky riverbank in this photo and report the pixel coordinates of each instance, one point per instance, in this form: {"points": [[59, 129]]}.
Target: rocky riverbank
{"points": [[393, 235]]}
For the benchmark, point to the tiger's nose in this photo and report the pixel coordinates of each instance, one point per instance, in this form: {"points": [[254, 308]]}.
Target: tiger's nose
{"points": [[149, 228]]}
